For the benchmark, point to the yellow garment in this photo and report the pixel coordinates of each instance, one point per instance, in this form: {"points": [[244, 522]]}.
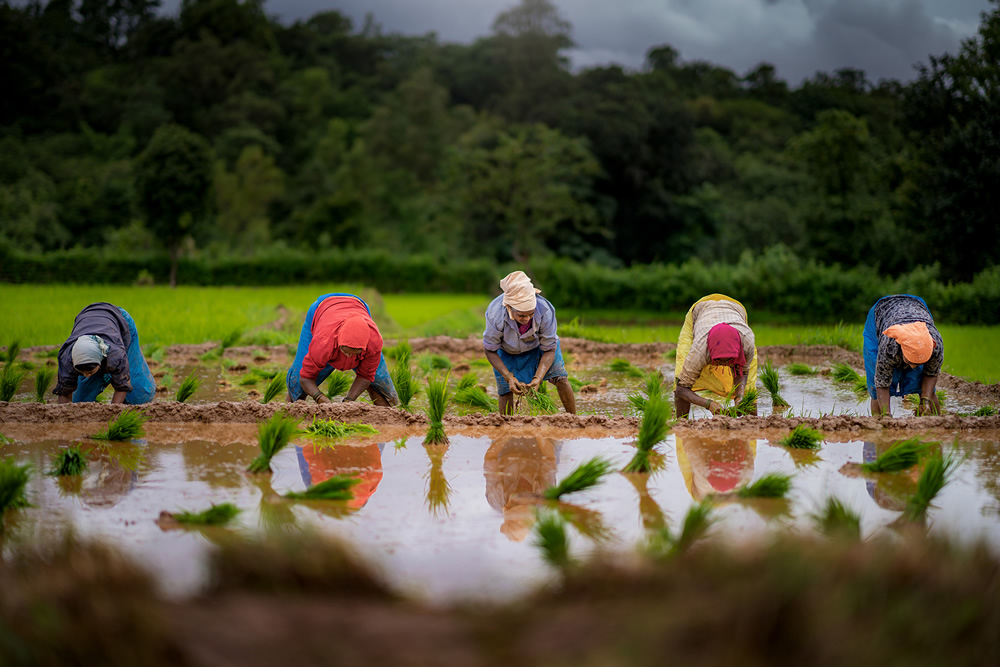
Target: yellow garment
{"points": [[715, 379], [711, 466]]}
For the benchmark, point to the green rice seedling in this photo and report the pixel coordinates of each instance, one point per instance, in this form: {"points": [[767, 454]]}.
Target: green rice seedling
{"points": [[127, 426], [13, 480], [230, 339], [575, 383], [801, 369], [400, 349], [467, 380], [844, 373], [900, 456], [331, 428], [404, 381], [912, 401], [653, 388], [338, 383], [670, 354], [771, 485], [337, 487], [860, 386], [187, 388], [44, 378], [273, 389], [586, 475], [480, 362], [438, 488], [772, 383], [937, 473], [847, 337], [428, 363], [746, 406], [437, 402], [539, 403], [249, 379], [802, 437], [10, 381], [624, 366], [4, 440], [216, 515], [984, 411], [551, 539], [475, 397], [272, 436], [69, 462], [652, 431], [400, 444], [837, 520], [212, 355], [12, 352]]}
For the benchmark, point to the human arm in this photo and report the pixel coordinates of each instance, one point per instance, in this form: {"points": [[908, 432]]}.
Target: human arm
{"points": [[684, 397], [310, 388], [359, 385], [64, 398], [544, 364], [881, 402], [515, 385], [929, 404], [118, 369]]}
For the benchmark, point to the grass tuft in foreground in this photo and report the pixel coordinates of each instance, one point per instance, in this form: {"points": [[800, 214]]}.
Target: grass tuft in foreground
{"points": [[186, 388], [900, 456], [837, 520], [129, 425], [937, 473], [801, 369], [13, 480], [69, 462], [772, 383], [625, 366], [338, 383], [551, 539], [273, 388], [44, 378], [585, 476], [337, 487], [331, 428], [664, 544], [216, 515], [802, 437], [771, 485], [402, 375], [272, 436], [652, 430], [746, 406], [437, 401]]}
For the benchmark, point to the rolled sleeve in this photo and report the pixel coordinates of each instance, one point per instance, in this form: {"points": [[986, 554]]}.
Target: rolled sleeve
{"points": [[691, 371], [493, 334], [316, 359]]}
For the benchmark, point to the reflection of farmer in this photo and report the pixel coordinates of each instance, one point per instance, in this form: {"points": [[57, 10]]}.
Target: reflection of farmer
{"points": [[715, 353], [518, 469], [340, 334], [711, 466], [903, 353], [111, 476], [318, 464], [104, 348], [522, 345]]}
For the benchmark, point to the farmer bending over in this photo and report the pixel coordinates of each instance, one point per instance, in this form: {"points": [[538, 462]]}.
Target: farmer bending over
{"points": [[715, 354], [104, 348], [521, 343], [340, 334], [903, 353]]}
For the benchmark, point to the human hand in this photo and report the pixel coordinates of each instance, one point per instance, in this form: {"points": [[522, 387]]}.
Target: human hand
{"points": [[516, 385], [534, 384], [714, 408]]}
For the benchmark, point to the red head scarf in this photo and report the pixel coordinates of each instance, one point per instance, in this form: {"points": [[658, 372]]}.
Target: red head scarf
{"points": [[354, 333], [725, 345]]}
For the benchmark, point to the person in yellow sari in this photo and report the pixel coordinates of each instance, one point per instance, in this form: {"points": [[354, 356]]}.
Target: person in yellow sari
{"points": [[716, 354]]}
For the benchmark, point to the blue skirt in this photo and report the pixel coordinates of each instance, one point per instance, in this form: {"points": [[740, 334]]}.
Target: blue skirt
{"points": [[904, 380], [143, 384], [524, 365]]}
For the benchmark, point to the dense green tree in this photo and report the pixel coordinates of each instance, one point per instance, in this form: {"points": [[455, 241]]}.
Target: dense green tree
{"points": [[242, 198]]}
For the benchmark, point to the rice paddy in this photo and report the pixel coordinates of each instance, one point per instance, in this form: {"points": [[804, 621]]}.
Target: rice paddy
{"points": [[126, 426]]}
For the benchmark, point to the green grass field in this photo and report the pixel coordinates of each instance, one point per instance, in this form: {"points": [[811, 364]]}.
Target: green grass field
{"points": [[43, 315]]}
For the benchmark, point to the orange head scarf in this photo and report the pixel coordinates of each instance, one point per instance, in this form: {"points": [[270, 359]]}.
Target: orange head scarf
{"points": [[914, 339], [354, 333]]}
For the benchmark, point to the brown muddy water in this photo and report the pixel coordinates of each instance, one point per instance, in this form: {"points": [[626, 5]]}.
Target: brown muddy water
{"points": [[455, 523]]}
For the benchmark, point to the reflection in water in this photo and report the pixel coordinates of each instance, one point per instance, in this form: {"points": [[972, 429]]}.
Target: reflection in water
{"points": [[711, 466], [276, 515], [319, 463], [112, 473], [438, 488], [649, 510], [517, 470], [892, 491]]}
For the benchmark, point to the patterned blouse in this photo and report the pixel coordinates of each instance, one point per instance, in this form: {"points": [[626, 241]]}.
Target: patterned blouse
{"points": [[902, 310]]}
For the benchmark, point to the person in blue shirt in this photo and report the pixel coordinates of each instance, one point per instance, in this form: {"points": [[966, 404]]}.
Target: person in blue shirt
{"points": [[521, 343]]}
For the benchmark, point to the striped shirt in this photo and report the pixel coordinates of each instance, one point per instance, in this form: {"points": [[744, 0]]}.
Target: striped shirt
{"points": [[706, 315], [902, 309]]}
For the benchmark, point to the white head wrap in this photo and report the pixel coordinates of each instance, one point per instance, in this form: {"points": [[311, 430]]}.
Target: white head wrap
{"points": [[518, 292], [89, 350]]}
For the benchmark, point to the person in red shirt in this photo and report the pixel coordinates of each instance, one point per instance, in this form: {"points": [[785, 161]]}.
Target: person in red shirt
{"points": [[340, 334]]}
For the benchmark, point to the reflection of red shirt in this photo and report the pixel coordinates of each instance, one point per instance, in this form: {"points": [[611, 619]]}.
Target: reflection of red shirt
{"points": [[325, 348], [365, 461]]}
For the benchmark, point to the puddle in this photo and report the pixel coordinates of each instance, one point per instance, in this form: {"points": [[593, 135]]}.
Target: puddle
{"points": [[455, 523]]}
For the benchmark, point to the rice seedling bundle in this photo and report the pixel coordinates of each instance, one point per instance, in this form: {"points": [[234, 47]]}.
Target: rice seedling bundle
{"points": [[42, 382], [540, 403], [437, 401], [652, 430], [272, 436], [551, 539], [586, 475], [230, 339], [837, 520], [984, 411], [337, 487], [653, 388], [467, 380], [575, 383], [801, 369], [69, 462], [187, 388], [127, 426], [844, 373], [402, 376], [474, 397], [802, 437], [12, 352], [771, 485], [625, 366], [937, 473], [338, 383], [772, 383], [331, 428], [429, 363], [400, 349], [746, 406], [216, 515], [13, 480], [438, 487], [273, 388], [900, 456], [10, 381]]}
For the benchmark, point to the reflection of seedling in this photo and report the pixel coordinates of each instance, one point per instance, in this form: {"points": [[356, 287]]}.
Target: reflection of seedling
{"points": [[474, 397], [550, 537], [652, 431], [746, 406], [837, 520], [400, 444], [801, 369], [13, 480], [938, 471], [187, 388], [331, 428], [588, 474], [802, 437], [69, 462], [625, 366], [216, 515], [771, 485], [900, 456], [844, 373], [587, 522], [337, 487], [127, 426], [273, 388], [438, 488], [272, 436], [697, 521], [402, 375], [653, 389], [772, 383], [437, 400], [42, 381], [338, 383]]}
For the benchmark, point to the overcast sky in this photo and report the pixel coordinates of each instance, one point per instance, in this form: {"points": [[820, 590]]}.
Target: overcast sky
{"points": [[883, 37]]}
